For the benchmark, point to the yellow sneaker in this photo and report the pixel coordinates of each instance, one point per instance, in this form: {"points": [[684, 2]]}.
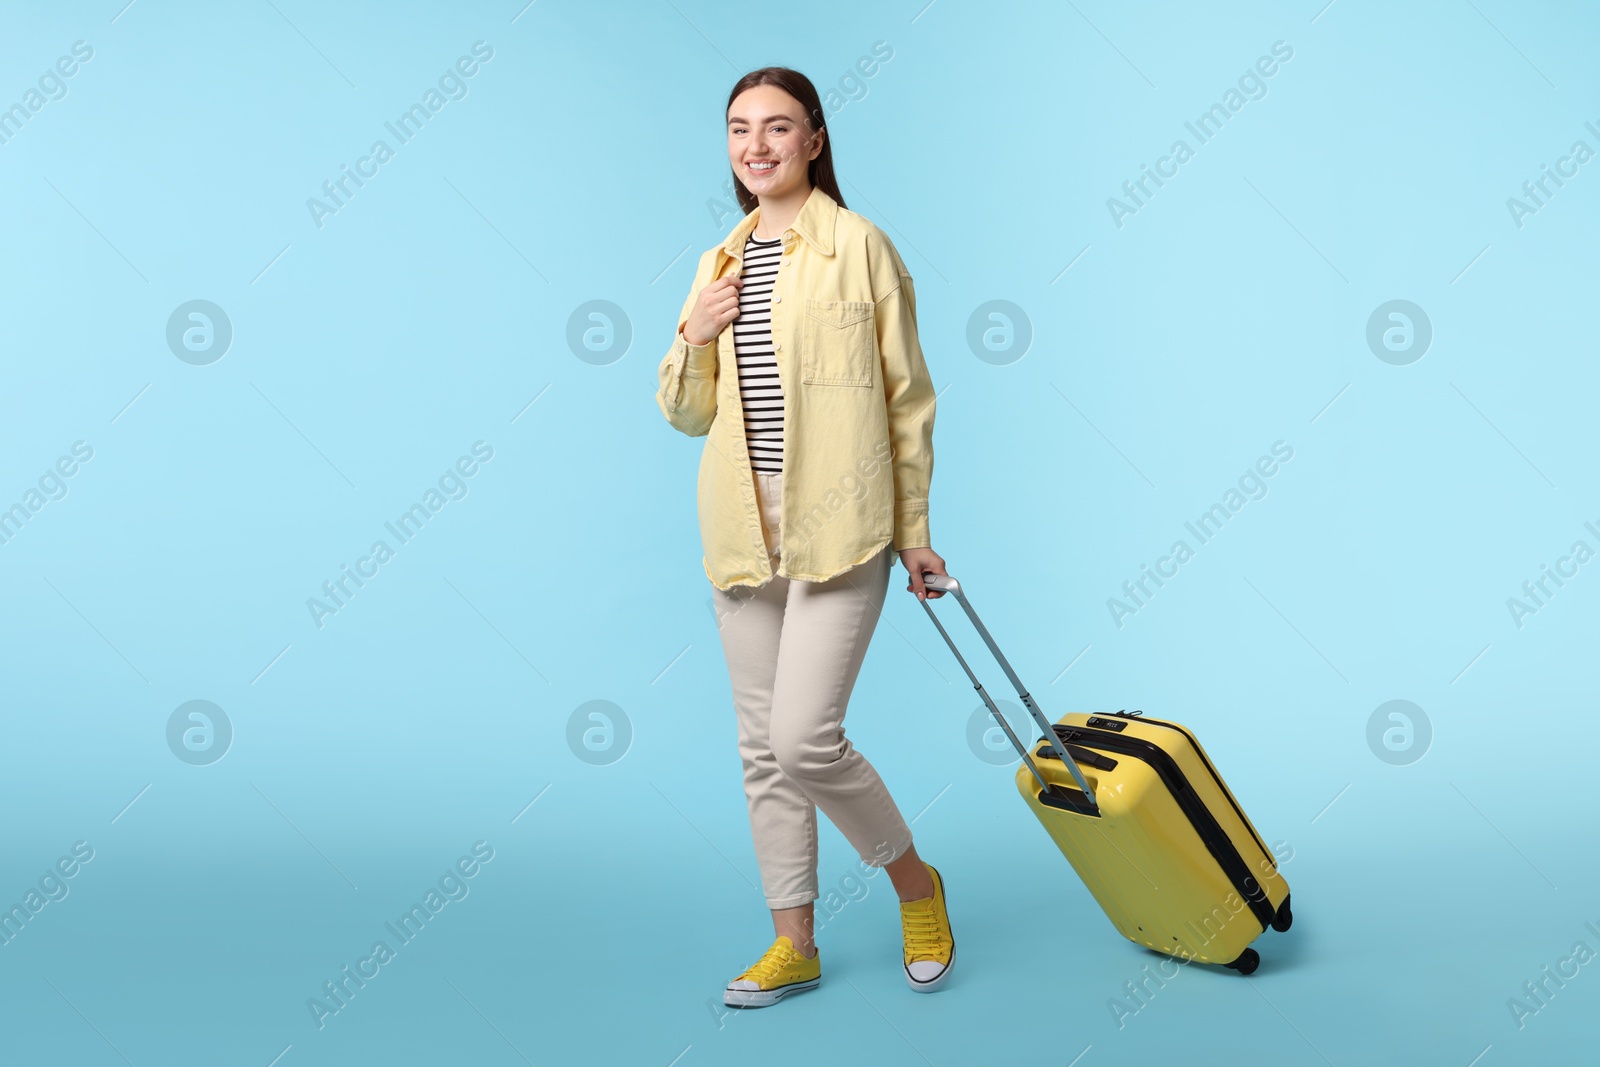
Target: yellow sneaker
{"points": [[779, 972], [930, 947]]}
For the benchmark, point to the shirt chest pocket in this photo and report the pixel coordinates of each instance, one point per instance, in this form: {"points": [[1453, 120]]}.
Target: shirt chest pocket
{"points": [[838, 343]]}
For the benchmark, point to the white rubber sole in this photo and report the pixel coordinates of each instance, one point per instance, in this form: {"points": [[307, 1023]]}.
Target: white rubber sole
{"points": [[933, 983], [761, 998]]}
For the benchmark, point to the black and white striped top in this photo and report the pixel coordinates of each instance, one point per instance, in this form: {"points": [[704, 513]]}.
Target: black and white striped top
{"points": [[760, 391]]}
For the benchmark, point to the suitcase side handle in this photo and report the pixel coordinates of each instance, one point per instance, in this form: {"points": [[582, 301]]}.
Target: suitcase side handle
{"points": [[1099, 761], [948, 584]]}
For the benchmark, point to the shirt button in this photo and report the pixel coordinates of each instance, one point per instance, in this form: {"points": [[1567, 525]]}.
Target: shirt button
{"points": [[776, 299], [776, 346]]}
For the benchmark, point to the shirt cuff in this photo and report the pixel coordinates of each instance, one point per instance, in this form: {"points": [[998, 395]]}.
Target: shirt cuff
{"points": [[911, 525], [697, 361]]}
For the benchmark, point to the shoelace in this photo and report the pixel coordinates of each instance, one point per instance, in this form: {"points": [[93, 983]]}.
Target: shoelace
{"points": [[922, 937], [771, 962]]}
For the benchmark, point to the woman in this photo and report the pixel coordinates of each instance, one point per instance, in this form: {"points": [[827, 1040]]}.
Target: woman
{"points": [[800, 333]]}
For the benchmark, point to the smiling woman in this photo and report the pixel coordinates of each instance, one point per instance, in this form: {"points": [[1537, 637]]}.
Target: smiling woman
{"points": [[797, 358]]}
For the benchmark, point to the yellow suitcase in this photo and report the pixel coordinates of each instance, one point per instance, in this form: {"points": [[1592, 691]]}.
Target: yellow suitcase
{"points": [[1142, 815]]}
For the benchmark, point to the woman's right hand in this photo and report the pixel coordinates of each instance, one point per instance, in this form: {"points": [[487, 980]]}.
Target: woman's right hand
{"points": [[718, 305]]}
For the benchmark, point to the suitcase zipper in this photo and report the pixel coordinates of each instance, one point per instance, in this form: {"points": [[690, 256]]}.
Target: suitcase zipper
{"points": [[1195, 743], [1205, 824]]}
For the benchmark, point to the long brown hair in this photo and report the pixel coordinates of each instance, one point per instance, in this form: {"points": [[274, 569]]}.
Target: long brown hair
{"points": [[820, 170]]}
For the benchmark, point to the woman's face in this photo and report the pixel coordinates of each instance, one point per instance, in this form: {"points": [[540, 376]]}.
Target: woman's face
{"points": [[767, 126]]}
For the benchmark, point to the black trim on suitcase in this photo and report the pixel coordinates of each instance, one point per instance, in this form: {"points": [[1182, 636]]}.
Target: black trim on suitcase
{"points": [[1205, 824], [1194, 742]]}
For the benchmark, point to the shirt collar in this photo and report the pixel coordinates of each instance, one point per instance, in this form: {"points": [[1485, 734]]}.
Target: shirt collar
{"points": [[815, 223]]}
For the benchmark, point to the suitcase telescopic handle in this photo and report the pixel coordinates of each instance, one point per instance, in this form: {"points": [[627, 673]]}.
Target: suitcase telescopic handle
{"points": [[945, 583]]}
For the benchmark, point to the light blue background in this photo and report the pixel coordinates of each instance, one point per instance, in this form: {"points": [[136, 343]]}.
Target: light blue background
{"points": [[587, 162]]}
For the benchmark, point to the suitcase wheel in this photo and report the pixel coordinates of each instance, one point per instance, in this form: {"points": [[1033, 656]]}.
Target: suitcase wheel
{"points": [[1282, 920], [1247, 962]]}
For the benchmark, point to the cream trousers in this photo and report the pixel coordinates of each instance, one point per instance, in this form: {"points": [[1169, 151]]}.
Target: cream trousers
{"points": [[794, 650]]}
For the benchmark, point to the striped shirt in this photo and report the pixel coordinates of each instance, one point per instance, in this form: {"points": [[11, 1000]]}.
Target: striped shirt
{"points": [[760, 391]]}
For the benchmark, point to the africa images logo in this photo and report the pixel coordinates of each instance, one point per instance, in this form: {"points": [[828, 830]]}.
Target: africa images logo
{"points": [[337, 192]]}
